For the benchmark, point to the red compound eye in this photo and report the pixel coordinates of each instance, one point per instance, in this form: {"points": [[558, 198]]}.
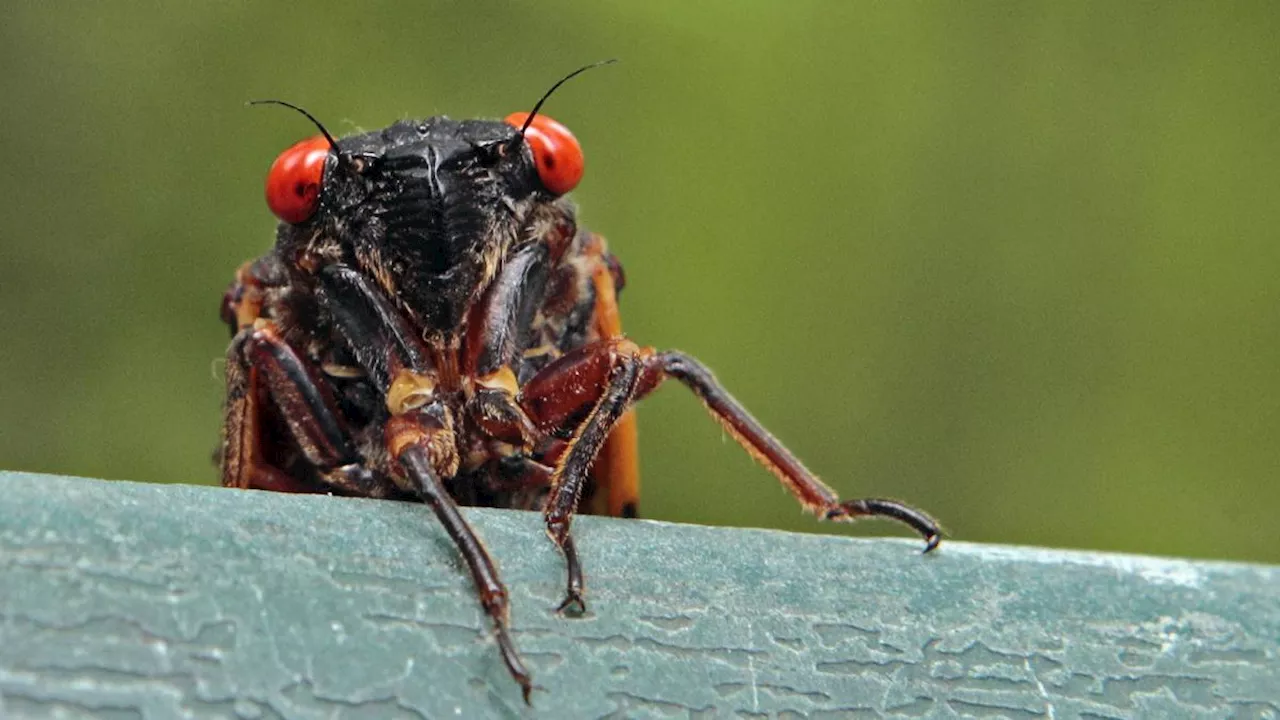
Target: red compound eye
{"points": [[556, 151], [293, 183]]}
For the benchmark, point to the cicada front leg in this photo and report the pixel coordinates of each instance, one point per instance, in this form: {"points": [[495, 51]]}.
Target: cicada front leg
{"points": [[590, 389]]}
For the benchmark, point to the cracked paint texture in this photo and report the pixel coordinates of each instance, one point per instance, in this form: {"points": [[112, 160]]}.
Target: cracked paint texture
{"points": [[122, 600]]}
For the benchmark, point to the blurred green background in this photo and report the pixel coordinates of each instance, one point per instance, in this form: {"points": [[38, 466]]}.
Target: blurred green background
{"points": [[1014, 263]]}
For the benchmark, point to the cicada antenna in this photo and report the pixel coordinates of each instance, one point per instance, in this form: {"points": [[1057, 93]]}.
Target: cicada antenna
{"points": [[332, 143], [538, 106]]}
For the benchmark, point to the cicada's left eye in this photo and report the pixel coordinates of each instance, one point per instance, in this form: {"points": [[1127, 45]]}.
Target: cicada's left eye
{"points": [[556, 151], [293, 183]]}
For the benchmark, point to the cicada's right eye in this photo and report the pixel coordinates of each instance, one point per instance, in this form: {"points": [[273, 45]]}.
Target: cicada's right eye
{"points": [[295, 178]]}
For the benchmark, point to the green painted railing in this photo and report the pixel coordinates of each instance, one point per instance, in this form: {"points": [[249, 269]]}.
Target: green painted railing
{"points": [[126, 600]]}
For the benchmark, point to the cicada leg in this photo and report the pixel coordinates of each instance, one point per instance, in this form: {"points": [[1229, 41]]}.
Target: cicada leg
{"points": [[591, 388]]}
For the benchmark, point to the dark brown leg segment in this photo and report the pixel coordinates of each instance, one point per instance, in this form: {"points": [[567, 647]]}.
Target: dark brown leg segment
{"points": [[812, 493], [309, 412], [603, 378], [592, 387], [417, 441], [259, 357], [566, 483]]}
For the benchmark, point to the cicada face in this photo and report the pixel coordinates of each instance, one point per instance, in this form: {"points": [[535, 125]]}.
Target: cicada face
{"points": [[427, 208]]}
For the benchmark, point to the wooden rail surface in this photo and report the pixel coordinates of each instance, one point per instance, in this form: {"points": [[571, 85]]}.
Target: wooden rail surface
{"points": [[124, 600]]}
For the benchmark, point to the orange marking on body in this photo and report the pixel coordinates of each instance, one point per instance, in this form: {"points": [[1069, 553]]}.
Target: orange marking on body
{"points": [[408, 391], [401, 434], [501, 379], [608, 320], [616, 471], [242, 436], [244, 300]]}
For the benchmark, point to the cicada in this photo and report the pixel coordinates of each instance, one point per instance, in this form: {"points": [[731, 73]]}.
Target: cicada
{"points": [[432, 324]]}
